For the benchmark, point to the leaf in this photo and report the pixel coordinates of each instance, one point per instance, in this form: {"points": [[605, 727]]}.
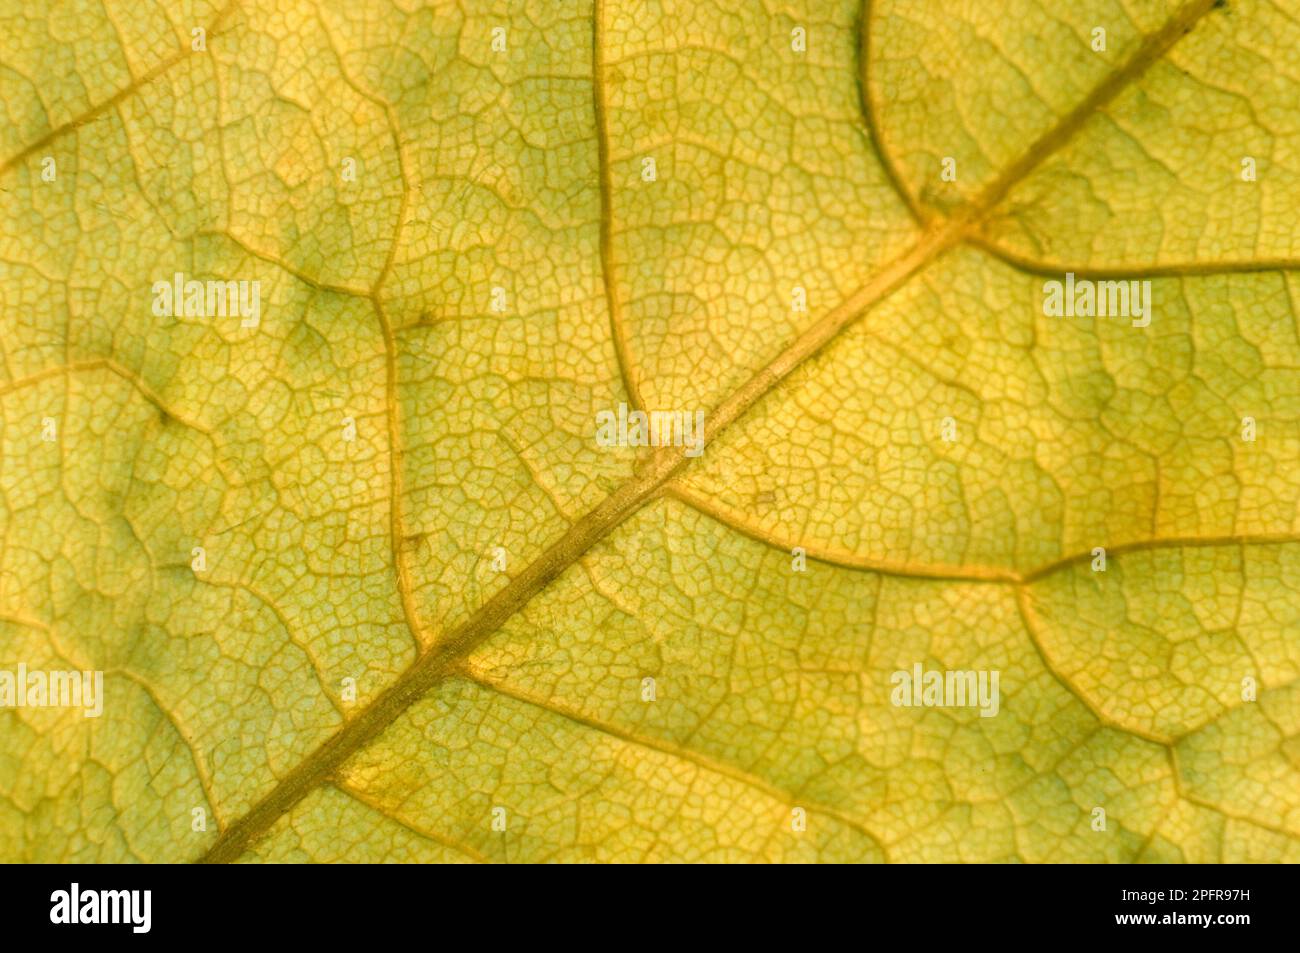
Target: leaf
{"points": [[437, 335]]}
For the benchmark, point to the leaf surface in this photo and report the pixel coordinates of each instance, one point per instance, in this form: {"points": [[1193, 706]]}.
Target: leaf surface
{"points": [[502, 269]]}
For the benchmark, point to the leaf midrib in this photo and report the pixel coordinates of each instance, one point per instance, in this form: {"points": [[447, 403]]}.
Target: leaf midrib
{"points": [[659, 467]]}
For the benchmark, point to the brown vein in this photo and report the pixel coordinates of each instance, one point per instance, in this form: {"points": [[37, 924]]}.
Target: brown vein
{"points": [[1201, 802], [1187, 269], [832, 556], [617, 326], [870, 120], [844, 559], [701, 761], [396, 480], [657, 468], [428, 834], [1029, 619]]}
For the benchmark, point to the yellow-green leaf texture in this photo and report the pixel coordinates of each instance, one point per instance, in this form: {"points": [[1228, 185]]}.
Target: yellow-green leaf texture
{"points": [[516, 695]]}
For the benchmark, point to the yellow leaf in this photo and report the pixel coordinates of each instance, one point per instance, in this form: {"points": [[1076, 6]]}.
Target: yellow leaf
{"points": [[312, 314]]}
